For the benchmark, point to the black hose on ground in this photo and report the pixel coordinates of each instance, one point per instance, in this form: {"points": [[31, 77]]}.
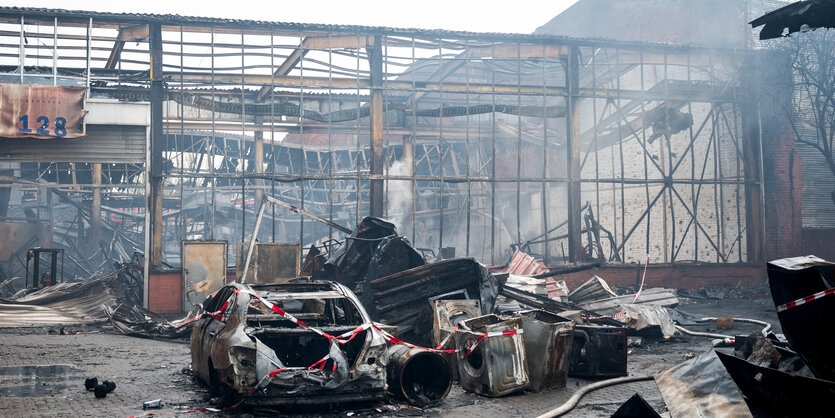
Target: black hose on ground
{"points": [[572, 402]]}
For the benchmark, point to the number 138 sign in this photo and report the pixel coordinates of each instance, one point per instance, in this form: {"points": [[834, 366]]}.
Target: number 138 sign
{"points": [[34, 111]]}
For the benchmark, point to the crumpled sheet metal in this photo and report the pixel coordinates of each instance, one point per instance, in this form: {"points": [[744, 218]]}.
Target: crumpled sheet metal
{"points": [[522, 264], [349, 263], [652, 296], [140, 322], [548, 340], [592, 289], [399, 298], [771, 392], [701, 387], [64, 304], [807, 326], [648, 318]]}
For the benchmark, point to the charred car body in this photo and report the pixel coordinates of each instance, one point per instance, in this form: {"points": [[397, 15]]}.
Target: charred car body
{"points": [[242, 348]]}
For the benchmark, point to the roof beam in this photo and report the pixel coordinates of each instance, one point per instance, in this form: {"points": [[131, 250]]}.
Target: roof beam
{"points": [[127, 33], [313, 42]]}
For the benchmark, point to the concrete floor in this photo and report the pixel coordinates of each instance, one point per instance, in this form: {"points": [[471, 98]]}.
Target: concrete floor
{"points": [[148, 369]]}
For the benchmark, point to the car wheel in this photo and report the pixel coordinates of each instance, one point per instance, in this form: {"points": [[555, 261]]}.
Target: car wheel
{"points": [[225, 395]]}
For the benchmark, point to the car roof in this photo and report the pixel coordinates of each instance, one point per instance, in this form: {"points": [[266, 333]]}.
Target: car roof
{"points": [[299, 290]]}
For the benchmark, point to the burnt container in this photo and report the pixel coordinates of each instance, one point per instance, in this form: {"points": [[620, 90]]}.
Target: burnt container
{"points": [[497, 366], [598, 352], [808, 326], [420, 377], [548, 340], [447, 313]]}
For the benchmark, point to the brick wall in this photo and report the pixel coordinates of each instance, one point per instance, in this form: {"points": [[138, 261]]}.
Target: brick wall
{"points": [[165, 292], [684, 276], [818, 241], [783, 172]]}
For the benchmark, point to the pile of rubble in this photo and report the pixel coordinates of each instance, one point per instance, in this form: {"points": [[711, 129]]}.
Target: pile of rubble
{"points": [[496, 330]]}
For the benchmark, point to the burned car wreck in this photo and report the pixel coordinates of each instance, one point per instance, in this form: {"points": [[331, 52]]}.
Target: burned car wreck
{"points": [[286, 344]]}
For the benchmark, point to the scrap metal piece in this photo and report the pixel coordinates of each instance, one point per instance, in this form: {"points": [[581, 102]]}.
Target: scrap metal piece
{"points": [[272, 262], [635, 407], [598, 352], [528, 284], [400, 297], [65, 303], [796, 17], [652, 296], [770, 392], [140, 322], [798, 279], [522, 264], [701, 387], [497, 366], [392, 255], [548, 340], [649, 320], [420, 377], [349, 263], [591, 290], [204, 269]]}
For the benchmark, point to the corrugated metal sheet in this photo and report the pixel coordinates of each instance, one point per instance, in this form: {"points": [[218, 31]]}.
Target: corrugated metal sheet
{"points": [[103, 144], [522, 264], [13, 13], [818, 207]]}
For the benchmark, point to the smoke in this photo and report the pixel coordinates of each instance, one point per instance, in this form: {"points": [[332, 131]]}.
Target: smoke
{"points": [[399, 196]]}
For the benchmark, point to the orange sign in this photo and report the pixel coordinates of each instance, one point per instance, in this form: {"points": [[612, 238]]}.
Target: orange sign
{"points": [[35, 111]]}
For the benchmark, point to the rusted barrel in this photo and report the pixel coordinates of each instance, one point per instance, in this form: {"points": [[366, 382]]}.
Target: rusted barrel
{"points": [[419, 377]]}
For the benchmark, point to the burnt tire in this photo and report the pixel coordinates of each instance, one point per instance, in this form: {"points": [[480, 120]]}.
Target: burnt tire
{"points": [[225, 396]]}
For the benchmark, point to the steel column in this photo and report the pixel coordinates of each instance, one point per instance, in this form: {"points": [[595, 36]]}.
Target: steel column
{"points": [[573, 133], [157, 145], [375, 63], [95, 215]]}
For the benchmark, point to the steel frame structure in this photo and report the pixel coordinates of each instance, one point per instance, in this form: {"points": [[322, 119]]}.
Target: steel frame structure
{"points": [[477, 141]]}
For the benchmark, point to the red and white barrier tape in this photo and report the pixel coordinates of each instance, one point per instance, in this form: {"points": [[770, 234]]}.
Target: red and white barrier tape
{"points": [[807, 299], [394, 340], [443, 343], [491, 334], [643, 277], [348, 336]]}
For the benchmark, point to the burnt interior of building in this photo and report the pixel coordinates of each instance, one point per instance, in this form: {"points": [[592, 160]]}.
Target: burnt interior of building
{"points": [[206, 151]]}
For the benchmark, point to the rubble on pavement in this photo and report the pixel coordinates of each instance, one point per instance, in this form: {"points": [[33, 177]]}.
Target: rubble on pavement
{"points": [[495, 331]]}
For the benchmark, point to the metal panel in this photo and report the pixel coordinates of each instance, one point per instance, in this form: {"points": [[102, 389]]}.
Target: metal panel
{"points": [[817, 190], [204, 270], [271, 262], [103, 144], [497, 366]]}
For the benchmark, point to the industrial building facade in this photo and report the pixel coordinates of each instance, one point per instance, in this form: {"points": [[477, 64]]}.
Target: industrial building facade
{"points": [[474, 144]]}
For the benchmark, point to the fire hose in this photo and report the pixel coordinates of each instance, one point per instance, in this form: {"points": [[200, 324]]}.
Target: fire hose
{"points": [[572, 402], [722, 336]]}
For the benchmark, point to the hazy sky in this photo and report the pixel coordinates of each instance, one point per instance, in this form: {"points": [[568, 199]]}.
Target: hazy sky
{"points": [[515, 16]]}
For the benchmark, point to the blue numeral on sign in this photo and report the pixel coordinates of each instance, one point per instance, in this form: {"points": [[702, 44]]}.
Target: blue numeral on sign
{"points": [[25, 128], [60, 126], [44, 124]]}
